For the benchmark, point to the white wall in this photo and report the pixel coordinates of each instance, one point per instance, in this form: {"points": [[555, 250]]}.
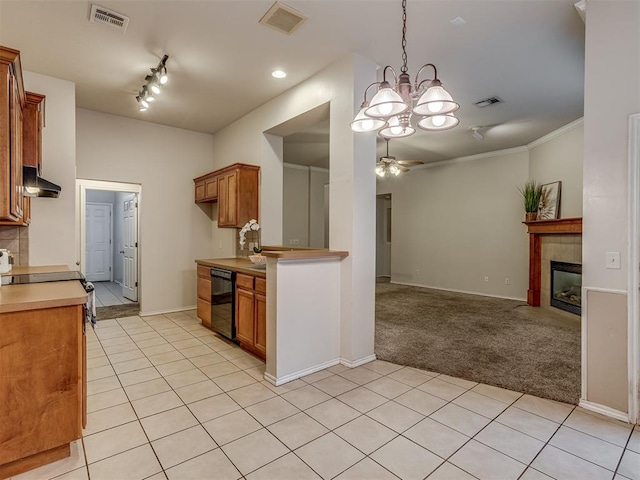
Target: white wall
{"points": [[455, 224], [558, 157], [53, 229], [295, 205], [352, 220], [174, 231], [318, 178], [612, 49]]}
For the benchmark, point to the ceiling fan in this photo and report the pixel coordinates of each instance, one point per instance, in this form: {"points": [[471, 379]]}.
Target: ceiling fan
{"points": [[388, 166]]}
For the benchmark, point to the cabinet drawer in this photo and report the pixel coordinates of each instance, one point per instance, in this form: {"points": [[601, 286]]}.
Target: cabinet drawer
{"points": [[261, 285], [204, 289], [204, 271], [244, 281], [204, 312]]}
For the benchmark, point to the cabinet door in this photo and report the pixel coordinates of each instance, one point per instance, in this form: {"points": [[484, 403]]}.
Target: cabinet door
{"points": [[211, 188], [200, 191], [203, 310], [261, 323], [204, 288], [232, 200], [245, 316], [223, 201]]}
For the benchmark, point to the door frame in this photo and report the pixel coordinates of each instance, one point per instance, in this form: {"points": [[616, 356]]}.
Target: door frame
{"points": [[633, 270], [82, 185], [110, 235]]}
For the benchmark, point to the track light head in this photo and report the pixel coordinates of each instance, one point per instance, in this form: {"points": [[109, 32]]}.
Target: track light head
{"points": [[153, 85]]}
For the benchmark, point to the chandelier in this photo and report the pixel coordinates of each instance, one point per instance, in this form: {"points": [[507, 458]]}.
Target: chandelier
{"points": [[391, 107]]}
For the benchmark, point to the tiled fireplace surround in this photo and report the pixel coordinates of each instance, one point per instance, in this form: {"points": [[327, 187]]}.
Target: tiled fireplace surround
{"points": [[560, 248], [559, 240]]}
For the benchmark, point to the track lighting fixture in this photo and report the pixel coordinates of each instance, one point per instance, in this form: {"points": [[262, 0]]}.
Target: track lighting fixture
{"points": [[153, 85], [391, 107]]}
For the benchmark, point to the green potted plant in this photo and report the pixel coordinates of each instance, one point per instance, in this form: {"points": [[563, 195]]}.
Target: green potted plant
{"points": [[531, 192]]}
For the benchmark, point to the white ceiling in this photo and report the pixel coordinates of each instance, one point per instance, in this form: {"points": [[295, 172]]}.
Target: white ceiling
{"points": [[528, 52]]}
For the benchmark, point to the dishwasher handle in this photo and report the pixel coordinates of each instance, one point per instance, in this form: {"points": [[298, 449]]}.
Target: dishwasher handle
{"points": [[222, 273]]}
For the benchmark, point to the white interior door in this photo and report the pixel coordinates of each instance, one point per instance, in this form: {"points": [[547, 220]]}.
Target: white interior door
{"points": [[98, 242], [130, 243], [383, 236]]}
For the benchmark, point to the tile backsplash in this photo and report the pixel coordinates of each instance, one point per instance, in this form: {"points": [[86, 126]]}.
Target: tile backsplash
{"points": [[16, 239]]}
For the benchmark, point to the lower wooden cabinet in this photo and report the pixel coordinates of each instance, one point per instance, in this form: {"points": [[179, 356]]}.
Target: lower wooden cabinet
{"points": [[43, 387], [251, 314], [203, 303]]}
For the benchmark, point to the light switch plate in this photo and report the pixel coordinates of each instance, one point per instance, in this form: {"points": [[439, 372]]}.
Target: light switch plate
{"points": [[613, 260]]}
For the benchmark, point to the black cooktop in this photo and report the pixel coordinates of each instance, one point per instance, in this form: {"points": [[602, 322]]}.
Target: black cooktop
{"points": [[41, 277]]}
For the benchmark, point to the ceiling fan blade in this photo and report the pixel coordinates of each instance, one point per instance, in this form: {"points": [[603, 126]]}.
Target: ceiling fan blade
{"points": [[403, 169], [410, 162]]}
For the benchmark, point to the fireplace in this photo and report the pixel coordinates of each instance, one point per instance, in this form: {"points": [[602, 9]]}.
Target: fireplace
{"points": [[566, 286]]}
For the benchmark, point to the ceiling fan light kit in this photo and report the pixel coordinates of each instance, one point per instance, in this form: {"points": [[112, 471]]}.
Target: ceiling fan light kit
{"points": [[153, 85], [390, 109], [388, 166]]}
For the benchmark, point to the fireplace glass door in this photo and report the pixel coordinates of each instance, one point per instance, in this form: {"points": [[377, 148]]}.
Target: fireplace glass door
{"points": [[566, 286]]}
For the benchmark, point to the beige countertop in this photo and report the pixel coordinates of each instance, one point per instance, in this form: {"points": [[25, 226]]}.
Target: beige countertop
{"points": [[21, 270], [242, 265], [35, 296], [304, 254]]}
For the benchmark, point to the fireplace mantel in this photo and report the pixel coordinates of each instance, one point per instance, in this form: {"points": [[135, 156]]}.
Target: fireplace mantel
{"points": [[536, 230]]}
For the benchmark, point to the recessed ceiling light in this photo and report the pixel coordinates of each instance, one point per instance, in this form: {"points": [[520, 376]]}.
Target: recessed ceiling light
{"points": [[278, 74]]}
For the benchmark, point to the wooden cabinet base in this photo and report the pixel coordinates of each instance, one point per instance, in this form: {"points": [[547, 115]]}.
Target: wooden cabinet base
{"points": [[34, 461]]}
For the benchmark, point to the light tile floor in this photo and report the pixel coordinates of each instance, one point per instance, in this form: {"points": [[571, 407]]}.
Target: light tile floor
{"points": [[170, 399], [109, 294]]}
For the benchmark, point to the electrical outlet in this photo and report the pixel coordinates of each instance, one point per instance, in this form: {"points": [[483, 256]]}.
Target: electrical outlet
{"points": [[295, 241], [507, 281], [220, 244], [486, 279]]}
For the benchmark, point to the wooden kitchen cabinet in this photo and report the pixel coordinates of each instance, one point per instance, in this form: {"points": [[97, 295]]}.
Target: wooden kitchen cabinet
{"points": [[251, 314], [43, 387], [203, 302], [206, 188], [235, 189], [12, 102]]}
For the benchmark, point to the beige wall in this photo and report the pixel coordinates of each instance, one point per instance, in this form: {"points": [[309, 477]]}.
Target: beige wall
{"points": [[612, 48], [318, 178], [459, 221], [558, 157], [455, 224], [174, 231], [52, 229], [295, 205]]}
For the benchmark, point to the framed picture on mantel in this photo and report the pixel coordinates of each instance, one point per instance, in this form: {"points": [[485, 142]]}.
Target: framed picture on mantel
{"points": [[549, 206]]}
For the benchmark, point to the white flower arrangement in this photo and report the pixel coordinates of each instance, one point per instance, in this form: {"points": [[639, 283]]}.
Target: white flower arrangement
{"points": [[250, 225]]}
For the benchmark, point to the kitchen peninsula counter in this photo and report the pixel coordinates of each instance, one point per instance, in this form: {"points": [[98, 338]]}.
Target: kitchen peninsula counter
{"points": [[242, 265]]}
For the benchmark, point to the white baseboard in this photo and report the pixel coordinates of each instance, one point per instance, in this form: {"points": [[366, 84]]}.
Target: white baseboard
{"points": [[172, 310], [300, 373], [357, 363], [459, 291], [607, 411]]}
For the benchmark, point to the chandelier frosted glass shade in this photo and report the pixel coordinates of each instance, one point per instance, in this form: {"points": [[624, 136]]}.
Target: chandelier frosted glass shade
{"points": [[363, 123], [435, 101], [438, 122], [398, 128], [386, 103]]}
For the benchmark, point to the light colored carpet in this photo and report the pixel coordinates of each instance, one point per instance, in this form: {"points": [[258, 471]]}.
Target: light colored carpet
{"points": [[495, 341]]}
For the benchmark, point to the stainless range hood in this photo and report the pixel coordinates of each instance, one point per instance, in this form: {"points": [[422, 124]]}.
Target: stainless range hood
{"points": [[36, 186]]}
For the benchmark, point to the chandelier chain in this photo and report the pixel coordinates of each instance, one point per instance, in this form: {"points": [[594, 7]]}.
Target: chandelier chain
{"points": [[404, 37]]}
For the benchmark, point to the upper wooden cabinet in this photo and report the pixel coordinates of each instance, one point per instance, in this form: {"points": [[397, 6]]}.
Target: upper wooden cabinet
{"points": [[12, 102], [33, 122], [235, 188]]}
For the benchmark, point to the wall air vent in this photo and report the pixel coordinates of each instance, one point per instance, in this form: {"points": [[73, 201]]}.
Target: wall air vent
{"points": [[488, 102], [283, 18], [107, 17]]}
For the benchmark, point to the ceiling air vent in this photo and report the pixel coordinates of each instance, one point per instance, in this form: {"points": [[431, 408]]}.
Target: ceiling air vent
{"points": [[112, 19], [283, 18], [488, 102]]}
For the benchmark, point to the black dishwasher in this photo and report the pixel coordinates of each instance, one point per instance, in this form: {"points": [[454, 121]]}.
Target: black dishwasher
{"points": [[223, 302]]}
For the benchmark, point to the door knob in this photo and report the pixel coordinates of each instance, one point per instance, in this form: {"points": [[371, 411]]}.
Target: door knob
{"points": [[121, 251]]}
